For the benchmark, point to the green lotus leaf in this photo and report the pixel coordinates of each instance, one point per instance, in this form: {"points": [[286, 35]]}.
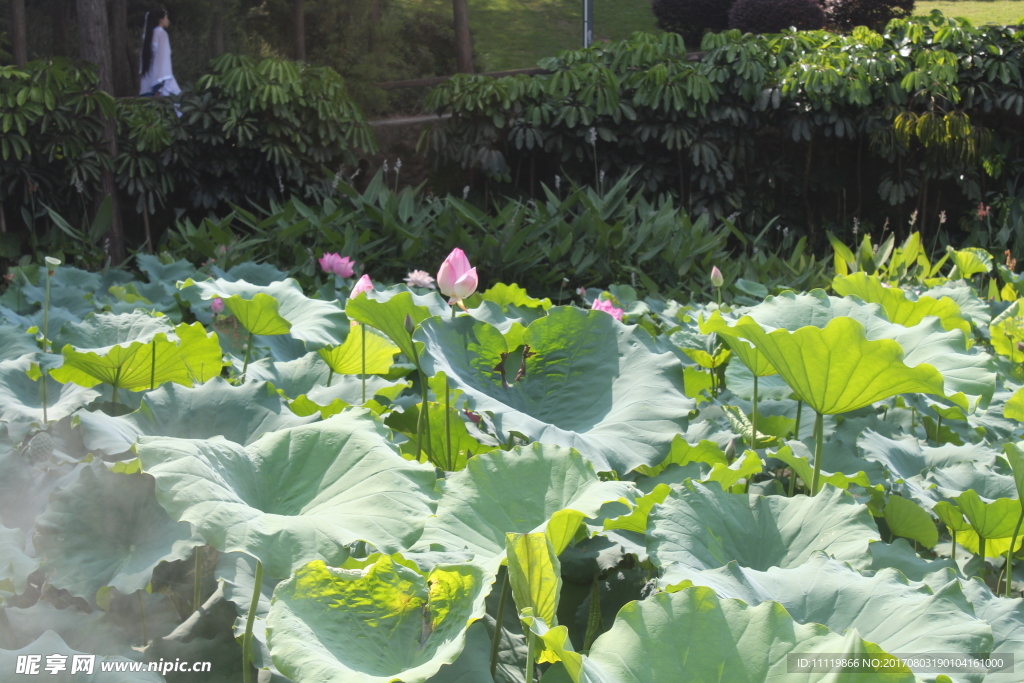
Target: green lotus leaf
{"points": [[535, 576], [740, 381], [1015, 456], [51, 644], [96, 631], [131, 352], [1005, 616], [387, 622], [803, 467], [238, 413], [905, 457], [297, 494], [291, 378], [25, 488], [885, 608], [952, 516], [15, 565], [15, 343], [347, 359], [278, 308], [899, 307], [925, 356], [456, 433], [345, 391], [1014, 407], [969, 262], [712, 639], [108, 529], [21, 398], [683, 452], [702, 527], [237, 571], [909, 520], [589, 382], [387, 311], [528, 489], [513, 295], [990, 519]]}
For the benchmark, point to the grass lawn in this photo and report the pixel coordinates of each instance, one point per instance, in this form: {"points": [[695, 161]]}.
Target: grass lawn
{"points": [[978, 12], [514, 34]]}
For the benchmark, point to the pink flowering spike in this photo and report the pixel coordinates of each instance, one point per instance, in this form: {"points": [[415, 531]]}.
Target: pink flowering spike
{"points": [[716, 277], [453, 268], [217, 305], [465, 286], [345, 267], [364, 284], [607, 307]]}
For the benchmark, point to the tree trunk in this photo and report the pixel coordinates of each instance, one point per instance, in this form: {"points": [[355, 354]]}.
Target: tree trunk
{"points": [[59, 18], [299, 29], [463, 42], [19, 36], [122, 71], [217, 29], [94, 43]]}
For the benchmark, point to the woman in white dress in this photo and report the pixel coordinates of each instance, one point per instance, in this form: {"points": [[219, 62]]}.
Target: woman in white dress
{"points": [[157, 76]]}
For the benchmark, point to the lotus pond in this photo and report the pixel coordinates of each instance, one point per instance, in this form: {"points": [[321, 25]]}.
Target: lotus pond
{"points": [[207, 465]]}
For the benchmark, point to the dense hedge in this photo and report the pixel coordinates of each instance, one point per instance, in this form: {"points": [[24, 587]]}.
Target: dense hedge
{"points": [[249, 131], [816, 127]]}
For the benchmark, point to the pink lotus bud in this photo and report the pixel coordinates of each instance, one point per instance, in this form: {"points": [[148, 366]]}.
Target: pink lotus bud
{"points": [[363, 284], [473, 417], [217, 305], [607, 307], [456, 278], [337, 265], [716, 277]]}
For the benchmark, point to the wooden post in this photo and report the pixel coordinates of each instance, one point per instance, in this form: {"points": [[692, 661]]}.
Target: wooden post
{"points": [[19, 36], [463, 40], [299, 29]]}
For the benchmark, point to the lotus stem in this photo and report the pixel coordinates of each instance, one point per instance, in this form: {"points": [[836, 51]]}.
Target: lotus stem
{"points": [[819, 443], [938, 430], [531, 654], [1009, 554], [250, 618], [142, 615], [197, 592], [753, 418], [46, 338], [796, 428], [152, 367], [981, 551], [593, 616], [248, 352], [362, 331], [953, 551], [448, 425], [330, 377], [113, 397], [498, 616]]}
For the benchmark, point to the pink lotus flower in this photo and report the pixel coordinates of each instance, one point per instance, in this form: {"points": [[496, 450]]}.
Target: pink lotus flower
{"points": [[716, 277], [473, 417], [363, 284], [420, 278], [217, 305], [607, 307], [338, 265], [456, 279]]}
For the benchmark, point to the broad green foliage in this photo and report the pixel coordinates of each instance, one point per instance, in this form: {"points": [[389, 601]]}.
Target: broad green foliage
{"points": [[294, 495], [516, 487], [107, 529], [587, 382], [411, 622]]}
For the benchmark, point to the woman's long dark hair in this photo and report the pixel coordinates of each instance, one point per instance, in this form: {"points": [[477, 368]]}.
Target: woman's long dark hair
{"points": [[153, 18]]}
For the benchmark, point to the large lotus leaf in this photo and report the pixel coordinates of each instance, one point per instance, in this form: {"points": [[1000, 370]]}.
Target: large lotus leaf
{"points": [[15, 565], [134, 351], [884, 608], [907, 519], [803, 467], [956, 479], [15, 343], [237, 572], [387, 311], [59, 317], [976, 310], [238, 413], [683, 452], [969, 262], [107, 529], [387, 622], [279, 308], [450, 443], [530, 488], [1005, 616], [740, 381], [780, 323], [293, 378], [21, 398], [24, 488], [898, 306], [348, 358], [295, 495], [51, 644], [995, 519], [345, 391], [655, 490], [906, 457], [711, 639], [96, 631], [702, 527], [589, 382]]}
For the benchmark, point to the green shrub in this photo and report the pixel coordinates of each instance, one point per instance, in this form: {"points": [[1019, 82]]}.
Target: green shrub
{"points": [[773, 16], [691, 18]]}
